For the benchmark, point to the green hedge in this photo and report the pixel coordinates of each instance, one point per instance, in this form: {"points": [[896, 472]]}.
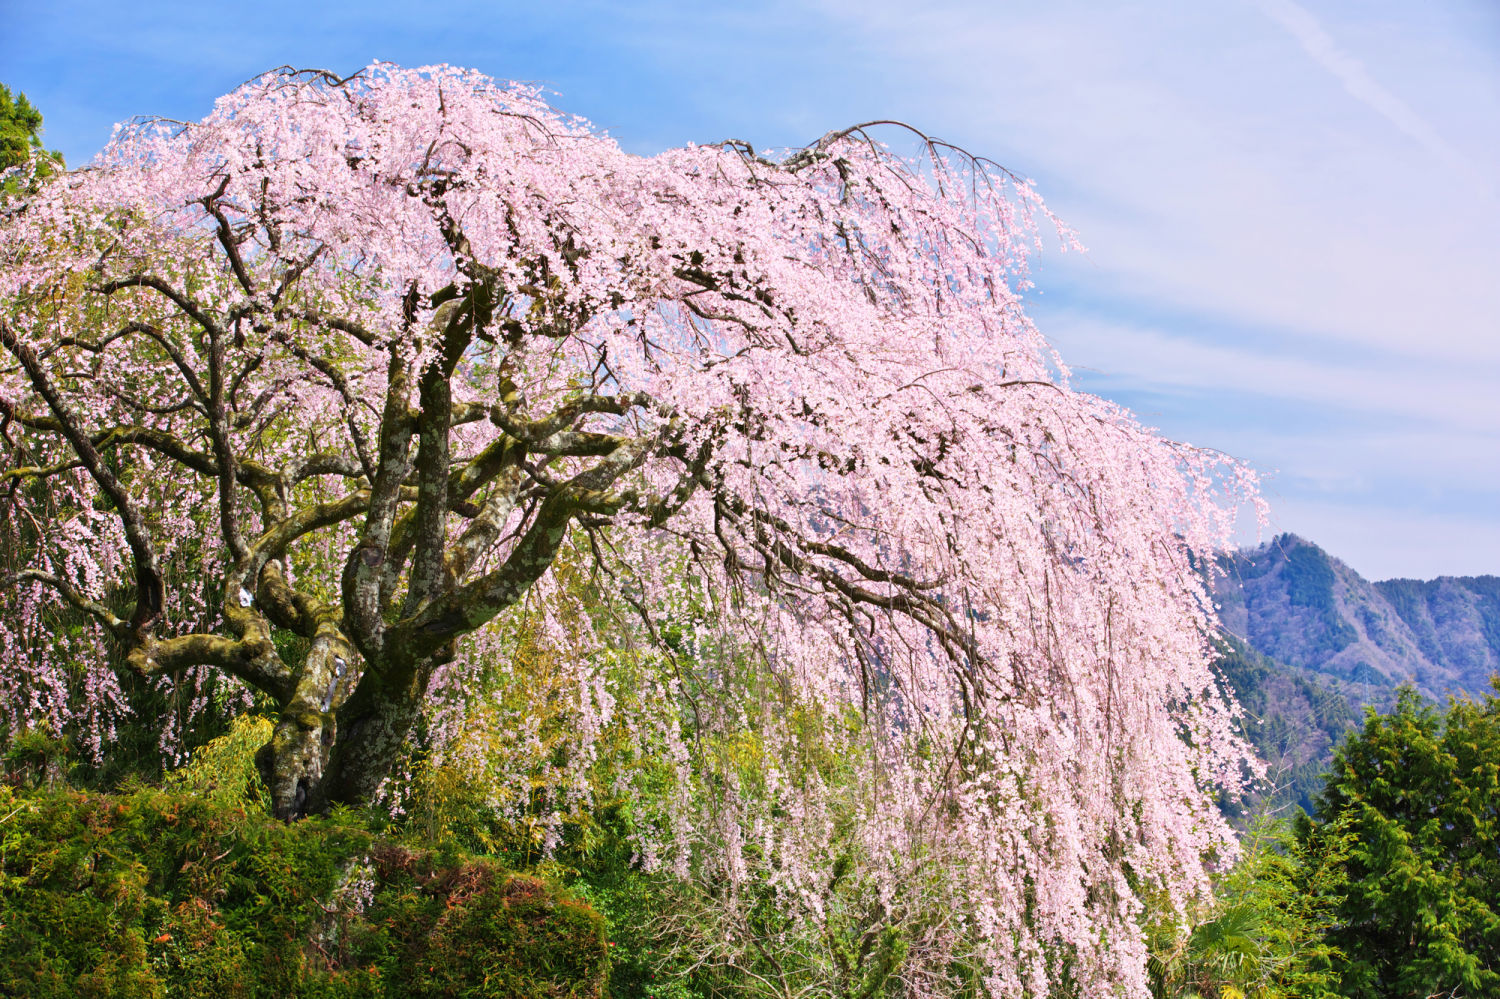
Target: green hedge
{"points": [[165, 893]]}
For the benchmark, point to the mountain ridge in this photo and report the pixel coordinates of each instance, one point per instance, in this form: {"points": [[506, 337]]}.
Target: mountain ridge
{"points": [[1292, 601]]}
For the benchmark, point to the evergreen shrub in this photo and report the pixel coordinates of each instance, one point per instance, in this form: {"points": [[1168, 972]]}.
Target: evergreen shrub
{"points": [[185, 891]]}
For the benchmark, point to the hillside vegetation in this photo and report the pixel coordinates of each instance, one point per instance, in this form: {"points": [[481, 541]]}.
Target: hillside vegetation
{"points": [[193, 890], [1387, 889]]}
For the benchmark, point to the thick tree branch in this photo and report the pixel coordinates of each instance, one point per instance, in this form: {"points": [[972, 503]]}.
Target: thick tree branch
{"points": [[226, 238], [484, 530], [248, 473], [218, 432], [39, 471], [469, 607], [364, 568], [452, 321], [254, 661], [190, 308], [339, 323], [288, 608]]}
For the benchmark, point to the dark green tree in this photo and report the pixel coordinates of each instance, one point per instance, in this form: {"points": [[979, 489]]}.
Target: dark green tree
{"points": [[1414, 800], [21, 136]]}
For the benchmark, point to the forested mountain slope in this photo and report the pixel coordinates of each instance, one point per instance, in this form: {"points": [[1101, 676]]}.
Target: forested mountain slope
{"points": [[1293, 721], [1295, 603]]}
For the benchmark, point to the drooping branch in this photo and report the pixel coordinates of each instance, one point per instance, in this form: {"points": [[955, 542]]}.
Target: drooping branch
{"points": [[337, 378], [779, 543], [112, 623], [150, 589], [339, 323]]}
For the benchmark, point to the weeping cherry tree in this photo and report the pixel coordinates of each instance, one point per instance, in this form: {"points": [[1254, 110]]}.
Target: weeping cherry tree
{"points": [[312, 393]]}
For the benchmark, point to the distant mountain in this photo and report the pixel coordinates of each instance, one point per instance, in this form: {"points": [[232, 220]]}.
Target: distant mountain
{"points": [[1309, 641], [1292, 601]]}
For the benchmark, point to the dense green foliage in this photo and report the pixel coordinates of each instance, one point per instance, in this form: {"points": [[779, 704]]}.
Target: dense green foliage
{"points": [[192, 890], [1266, 935], [1416, 796], [20, 136], [1391, 888], [647, 918]]}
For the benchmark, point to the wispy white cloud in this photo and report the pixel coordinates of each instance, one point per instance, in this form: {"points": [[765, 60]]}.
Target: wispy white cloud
{"points": [[1403, 444], [1356, 79], [1453, 401], [1263, 248], [1208, 163]]}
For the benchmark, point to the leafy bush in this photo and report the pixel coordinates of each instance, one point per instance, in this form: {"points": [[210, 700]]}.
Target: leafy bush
{"points": [[193, 891], [1266, 935]]}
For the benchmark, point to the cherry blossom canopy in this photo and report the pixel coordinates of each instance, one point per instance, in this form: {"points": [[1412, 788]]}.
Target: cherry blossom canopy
{"points": [[313, 392]]}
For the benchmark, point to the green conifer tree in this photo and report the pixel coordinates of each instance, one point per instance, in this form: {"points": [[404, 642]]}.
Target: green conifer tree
{"points": [[21, 137], [1415, 799]]}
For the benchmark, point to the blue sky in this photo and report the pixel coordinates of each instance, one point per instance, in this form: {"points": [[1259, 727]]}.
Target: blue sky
{"points": [[1292, 207]]}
